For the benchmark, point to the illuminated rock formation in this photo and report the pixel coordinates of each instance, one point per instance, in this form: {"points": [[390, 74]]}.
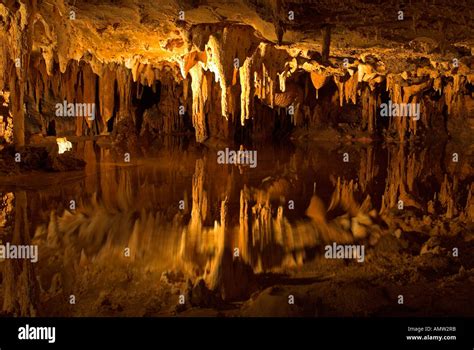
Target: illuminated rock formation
{"points": [[201, 76], [111, 56]]}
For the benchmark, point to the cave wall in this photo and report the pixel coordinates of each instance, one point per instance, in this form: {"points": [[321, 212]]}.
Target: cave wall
{"points": [[212, 74]]}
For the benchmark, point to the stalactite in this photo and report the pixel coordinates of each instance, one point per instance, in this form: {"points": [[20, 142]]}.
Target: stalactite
{"points": [[240, 60], [6, 120], [165, 117], [4, 59], [340, 88], [259, 77], [469, 208], [107, 93], [124, 85], [20, 42], [89, 96], [246, 98], [217, 64], [365, 72], [350, 88], [318, 81], [146, 74], [369, 109], [199, 87], [190, 60], [395, 90], [17, 108]]}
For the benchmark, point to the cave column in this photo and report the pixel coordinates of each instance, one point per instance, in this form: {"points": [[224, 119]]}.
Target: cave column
{"points": [[17, 110], [326, 43], [20, 45]]}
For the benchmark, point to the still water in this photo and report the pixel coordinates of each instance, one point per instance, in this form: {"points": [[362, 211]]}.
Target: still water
{"points": [[178, 208]]}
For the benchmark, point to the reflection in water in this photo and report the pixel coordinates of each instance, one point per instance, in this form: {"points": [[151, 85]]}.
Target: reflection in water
{"points": [[179, 210], [20, 285]]}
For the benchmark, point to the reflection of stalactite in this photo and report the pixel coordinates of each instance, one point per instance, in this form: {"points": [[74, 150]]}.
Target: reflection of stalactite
{"points": [[267, 240], [368, 167], [446, 197], [402, 173], [6, 210], [261, 225], [343, 196], [199, 195], [244, 224], [21, 294], [469, 209]]}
